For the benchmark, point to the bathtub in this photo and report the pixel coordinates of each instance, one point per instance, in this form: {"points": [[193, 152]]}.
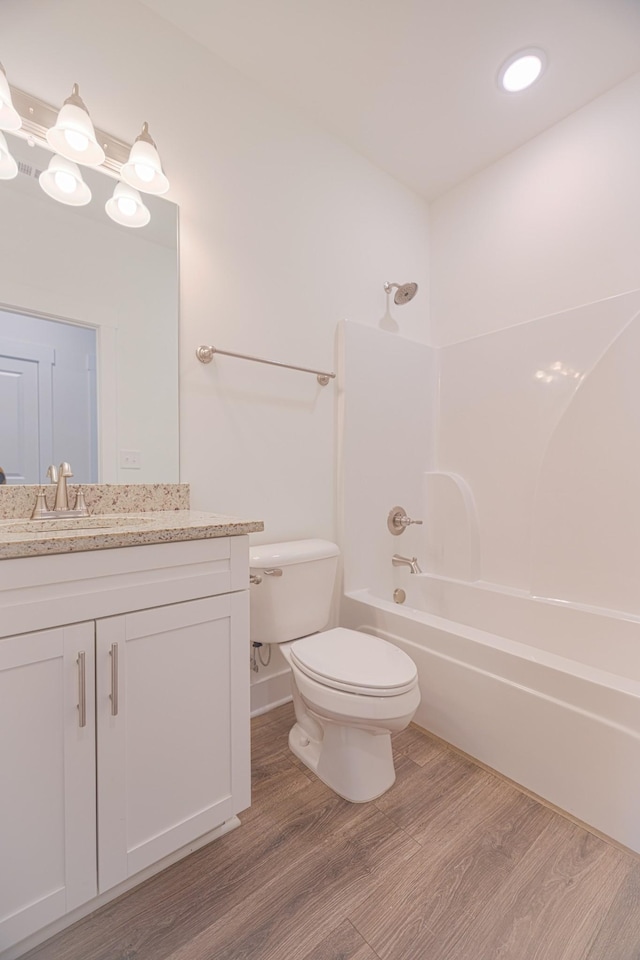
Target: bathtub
{"points": [[545, 692]]}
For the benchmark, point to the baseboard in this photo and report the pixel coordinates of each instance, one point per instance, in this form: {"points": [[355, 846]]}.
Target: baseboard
{"points": [[270, 692]]}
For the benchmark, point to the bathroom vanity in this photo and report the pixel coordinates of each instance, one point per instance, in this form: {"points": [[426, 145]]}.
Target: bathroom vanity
{"points": [[124, 705]]}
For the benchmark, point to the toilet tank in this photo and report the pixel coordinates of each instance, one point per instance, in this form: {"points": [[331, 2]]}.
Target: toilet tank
{"points": [[295, 599]]}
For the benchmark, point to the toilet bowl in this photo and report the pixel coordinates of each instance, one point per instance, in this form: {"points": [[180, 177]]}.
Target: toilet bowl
{"points": [[343, 726], [351, 690]]}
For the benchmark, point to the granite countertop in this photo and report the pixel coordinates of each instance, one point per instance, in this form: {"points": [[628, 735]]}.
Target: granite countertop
{"points": [[20, 537], [121, 515]]}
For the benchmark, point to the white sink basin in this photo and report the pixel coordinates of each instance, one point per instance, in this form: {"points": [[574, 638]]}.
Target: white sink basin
{"points": [[73, 523]]}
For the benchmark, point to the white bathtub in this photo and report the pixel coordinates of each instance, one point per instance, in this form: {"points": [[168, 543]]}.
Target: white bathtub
{"points": [[545, 692]]}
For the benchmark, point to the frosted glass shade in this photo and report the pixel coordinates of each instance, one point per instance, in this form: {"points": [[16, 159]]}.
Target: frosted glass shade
{"points": [[9, 116], [8, 166], [63, 182], [73, 135], [143, 169], [126, 207]]}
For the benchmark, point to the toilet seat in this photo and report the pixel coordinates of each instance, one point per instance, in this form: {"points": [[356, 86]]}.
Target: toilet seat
{"points": [[354, 662]]}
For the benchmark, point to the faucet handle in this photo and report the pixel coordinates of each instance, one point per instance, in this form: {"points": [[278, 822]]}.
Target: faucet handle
{"points": [[398, 521], [65, 469], [81, 506], [52, 473], [40, 507]]}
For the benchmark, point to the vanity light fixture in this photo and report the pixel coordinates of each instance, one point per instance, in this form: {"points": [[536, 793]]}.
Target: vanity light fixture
{"points": [[8, 166], [521, 70], [9, 117], [70, 134], [143, 169], [73, 135], [63, 181], [126, 207]]}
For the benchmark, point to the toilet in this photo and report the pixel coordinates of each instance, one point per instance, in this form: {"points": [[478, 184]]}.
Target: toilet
{"points": [[351, 690]]}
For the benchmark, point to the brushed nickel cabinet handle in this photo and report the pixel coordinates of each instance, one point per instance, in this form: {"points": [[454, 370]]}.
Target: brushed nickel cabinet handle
{"points": [[113, 653], [82, 689]]}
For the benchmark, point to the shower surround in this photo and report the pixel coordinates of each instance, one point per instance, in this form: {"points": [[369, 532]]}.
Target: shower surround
{"points": [[519, 451]]}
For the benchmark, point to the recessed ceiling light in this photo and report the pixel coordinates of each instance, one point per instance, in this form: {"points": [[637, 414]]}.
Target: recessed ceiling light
{"points": [[521, 70]]}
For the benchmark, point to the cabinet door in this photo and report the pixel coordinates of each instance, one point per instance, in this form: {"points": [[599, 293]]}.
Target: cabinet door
{"points": [[47, 777], [173, 729]]}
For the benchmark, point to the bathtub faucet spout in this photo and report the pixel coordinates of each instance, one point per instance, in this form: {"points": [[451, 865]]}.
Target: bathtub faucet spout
{"points": [[412, 562]]}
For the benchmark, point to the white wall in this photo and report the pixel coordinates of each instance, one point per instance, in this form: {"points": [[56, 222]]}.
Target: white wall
{"points": [[549, 227], [284, 232]]}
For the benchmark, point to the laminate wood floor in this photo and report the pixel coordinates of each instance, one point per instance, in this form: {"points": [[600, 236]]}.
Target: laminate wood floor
{"points": [[452, 863]]}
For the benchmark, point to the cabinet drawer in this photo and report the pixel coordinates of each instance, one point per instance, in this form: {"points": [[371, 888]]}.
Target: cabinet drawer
{"points": [[43, 592]]}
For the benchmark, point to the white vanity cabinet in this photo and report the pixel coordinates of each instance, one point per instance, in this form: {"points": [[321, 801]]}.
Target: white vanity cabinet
{"points": [[47, 779], [168, 767], [124, 717]]}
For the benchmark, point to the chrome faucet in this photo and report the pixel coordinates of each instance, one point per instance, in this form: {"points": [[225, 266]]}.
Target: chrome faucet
{"points": [[412, 562], [58, 475], [62, 495]]}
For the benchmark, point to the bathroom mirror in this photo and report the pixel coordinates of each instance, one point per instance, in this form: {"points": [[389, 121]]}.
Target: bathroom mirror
{"points": [[75, 266]]}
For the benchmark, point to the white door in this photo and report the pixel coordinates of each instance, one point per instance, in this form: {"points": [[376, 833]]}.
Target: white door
{"points": [[173, 729], [47, 778], [64, 358], [25, 411]]}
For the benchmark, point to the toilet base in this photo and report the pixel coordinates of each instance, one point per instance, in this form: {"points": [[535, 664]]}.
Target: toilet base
{"points": [[356, 764]]}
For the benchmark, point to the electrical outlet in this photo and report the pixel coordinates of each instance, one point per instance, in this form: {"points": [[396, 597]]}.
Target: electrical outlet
{"points": [[130, 460]]}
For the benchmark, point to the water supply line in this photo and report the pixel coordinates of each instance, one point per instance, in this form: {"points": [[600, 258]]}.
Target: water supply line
{"points": [[256, 649]]}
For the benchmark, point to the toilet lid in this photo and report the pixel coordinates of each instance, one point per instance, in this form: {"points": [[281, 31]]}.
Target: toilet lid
{"points": [[355, 662]]}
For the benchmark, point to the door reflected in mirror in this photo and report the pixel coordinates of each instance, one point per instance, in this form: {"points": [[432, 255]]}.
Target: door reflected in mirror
{"points": [[76, 270], [48, 398]]}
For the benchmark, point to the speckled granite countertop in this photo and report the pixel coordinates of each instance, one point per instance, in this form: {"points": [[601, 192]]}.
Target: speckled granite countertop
{"points": [[20, 537], [17, 502], [121, 515]]}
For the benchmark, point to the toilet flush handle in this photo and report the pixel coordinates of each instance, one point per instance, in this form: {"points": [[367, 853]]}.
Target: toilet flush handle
{"points": [[255, 578]]}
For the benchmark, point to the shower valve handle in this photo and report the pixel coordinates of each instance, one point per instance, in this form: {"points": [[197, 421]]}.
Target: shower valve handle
{"points": [[407, 521], [398, 521]]}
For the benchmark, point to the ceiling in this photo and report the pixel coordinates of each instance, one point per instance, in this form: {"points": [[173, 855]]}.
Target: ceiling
{"points": [[411, 84]]}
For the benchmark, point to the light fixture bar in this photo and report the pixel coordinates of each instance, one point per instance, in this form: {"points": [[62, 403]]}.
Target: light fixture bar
{"points": [[38, 117]]}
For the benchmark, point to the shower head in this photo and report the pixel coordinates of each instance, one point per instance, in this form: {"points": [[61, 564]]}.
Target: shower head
{"points": [[404, 291]]}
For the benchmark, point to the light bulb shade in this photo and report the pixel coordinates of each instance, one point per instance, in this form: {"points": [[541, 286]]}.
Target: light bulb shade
{"points": [[126, 207], [143, 169], [63, 181], [8, 166], [73, 135], [9, 117]]}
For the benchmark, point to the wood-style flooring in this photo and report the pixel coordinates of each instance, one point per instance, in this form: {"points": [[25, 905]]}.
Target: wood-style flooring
{"points": [[452, 863]]}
